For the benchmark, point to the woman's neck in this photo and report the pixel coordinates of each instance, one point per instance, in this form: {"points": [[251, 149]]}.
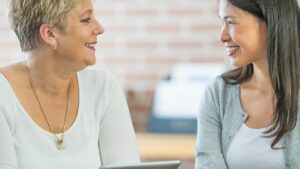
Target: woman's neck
{"points": [[261, 79], [48, 74]]}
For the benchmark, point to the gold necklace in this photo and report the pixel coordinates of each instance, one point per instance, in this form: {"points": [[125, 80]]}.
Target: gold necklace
{"points": [[59, 141]]}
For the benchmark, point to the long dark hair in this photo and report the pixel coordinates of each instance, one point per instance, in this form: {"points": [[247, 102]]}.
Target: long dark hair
{"points": [[283, 54]]}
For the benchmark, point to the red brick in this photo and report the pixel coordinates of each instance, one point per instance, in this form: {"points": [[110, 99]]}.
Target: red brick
{"points": [[141, 77], [9, 45], [162, 60], [4, 29], [142, 12], [141, 45], [213, 59], [105, 13], [113, 61], [162, 28], [203, 28], [121, 28], [216, 44], [185, 44], [106, 44], [182, 12]]}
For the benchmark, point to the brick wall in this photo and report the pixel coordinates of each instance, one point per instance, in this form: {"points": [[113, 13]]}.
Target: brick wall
{"points": [[142, 42], [144, 39]]}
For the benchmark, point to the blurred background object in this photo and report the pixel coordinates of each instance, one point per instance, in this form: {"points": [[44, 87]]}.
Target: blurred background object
{"points": [[176, 100]]}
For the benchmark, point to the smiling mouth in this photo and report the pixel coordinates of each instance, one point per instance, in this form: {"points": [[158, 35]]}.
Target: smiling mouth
{"points": [[232, 50], [91, 46]]}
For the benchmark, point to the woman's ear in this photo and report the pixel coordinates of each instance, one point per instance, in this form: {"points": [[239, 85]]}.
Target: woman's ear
{"points": [[48, 35]]}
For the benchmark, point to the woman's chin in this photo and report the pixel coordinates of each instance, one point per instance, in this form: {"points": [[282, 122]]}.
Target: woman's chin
{"points": [[91, 60], [235, 63]]}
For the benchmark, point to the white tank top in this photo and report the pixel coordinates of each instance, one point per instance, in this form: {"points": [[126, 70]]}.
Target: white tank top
{"points": [[250, 150]]}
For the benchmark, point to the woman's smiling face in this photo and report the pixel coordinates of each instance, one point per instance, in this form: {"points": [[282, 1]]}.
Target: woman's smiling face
{"points": [[77, 41], [243, 34]]}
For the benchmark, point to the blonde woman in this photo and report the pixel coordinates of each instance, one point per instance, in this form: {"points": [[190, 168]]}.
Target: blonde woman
{"points": [[54, 113]]}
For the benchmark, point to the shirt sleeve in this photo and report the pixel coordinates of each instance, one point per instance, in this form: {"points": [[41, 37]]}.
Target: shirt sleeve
{"points": [[117, 140], [8, 159], [208, 146]]}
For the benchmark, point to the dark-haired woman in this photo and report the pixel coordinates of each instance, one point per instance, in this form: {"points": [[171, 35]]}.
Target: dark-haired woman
{"points": [[249, 116]]}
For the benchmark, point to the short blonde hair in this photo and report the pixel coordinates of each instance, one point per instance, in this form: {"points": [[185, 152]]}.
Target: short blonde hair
{"points": [[26, 17]]}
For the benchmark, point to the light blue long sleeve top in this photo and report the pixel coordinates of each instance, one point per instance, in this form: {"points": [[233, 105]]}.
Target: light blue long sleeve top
{"points": [[220, 117]]}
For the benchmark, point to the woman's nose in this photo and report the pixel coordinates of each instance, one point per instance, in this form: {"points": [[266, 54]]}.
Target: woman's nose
{"points": [[224, 34], [99, 29]]}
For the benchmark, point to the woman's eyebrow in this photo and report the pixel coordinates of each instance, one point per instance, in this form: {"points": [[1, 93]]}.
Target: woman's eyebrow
{"points": [[227, 17], [88, 11]]}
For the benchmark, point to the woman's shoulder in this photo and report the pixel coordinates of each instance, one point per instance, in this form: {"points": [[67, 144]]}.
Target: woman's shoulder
{"points": [[9, 76], [8, 79], [221, 90], [219, 84], [96, 74], [97, 78], [14, 73]]}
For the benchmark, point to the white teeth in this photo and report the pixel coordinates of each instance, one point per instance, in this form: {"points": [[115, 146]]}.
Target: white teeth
{"points": [[90, 45], [229, 49]]}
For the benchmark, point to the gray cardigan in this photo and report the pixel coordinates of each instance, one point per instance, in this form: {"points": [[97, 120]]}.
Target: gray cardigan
{"points": [[220, 117]]}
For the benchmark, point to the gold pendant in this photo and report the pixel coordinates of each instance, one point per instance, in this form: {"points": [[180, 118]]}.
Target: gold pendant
{"points": [[60, 144]]}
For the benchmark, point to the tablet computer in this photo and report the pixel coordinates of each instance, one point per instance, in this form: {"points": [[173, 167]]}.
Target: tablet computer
{"points": [[146, 165]]}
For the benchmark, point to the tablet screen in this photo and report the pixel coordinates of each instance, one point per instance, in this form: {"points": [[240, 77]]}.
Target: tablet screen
{"points": [[146, 165]]}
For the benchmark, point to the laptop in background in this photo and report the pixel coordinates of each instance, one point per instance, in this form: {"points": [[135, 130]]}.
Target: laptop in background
{"points": [[146, 165]]}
